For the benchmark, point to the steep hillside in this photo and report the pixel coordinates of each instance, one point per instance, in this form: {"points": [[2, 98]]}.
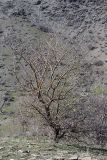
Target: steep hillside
{"points": [[82, 23]]}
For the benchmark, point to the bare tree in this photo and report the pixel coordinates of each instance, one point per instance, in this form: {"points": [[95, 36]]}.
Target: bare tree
{"points": [[49, 77], [52, 79]]}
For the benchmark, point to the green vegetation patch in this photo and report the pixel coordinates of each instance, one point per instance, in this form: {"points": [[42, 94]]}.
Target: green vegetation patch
{"points": [[98, 89]]}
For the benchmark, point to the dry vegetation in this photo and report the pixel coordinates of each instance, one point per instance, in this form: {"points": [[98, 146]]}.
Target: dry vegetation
{"points": [[50, 77], [53, 79]]}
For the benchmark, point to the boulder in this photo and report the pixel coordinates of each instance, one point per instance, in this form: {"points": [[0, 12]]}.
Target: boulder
{"points": [[59, 158], [38, 2], [85, 158], [74, 157], [99, 63]]}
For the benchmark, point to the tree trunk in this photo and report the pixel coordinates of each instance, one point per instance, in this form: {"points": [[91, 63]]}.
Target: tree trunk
{"points": [[56, 135]]}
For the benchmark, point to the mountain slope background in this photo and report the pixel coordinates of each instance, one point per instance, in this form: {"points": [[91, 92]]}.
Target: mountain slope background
{"points": [[82, 25]]}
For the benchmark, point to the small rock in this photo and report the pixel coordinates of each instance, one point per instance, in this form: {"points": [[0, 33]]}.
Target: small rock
{"points": [[2, 65], [73, 157], [59, 158], [26, 151], [33, 155], [38, 2], [86, 158], [20, 151], [1, 148], [3, 83], [91, 47], [1, 31], [20, 12], [32, 158], [99, 63], [44, 29]]}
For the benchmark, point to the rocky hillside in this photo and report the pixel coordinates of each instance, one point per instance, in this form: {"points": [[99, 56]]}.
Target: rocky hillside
{"points": [[82, 23]]}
